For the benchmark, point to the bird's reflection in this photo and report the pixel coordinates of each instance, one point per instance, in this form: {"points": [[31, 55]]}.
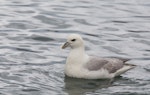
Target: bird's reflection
{"points": [[74, 86]]}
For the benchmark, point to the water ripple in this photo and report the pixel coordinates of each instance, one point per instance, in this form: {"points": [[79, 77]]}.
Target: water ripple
{"points": [[32, 31]]}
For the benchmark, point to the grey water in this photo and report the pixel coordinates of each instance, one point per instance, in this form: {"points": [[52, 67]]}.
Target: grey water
{"points": [[32, 32]]}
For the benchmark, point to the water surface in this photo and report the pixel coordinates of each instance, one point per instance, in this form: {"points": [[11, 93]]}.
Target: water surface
{"points": [[32, 31]]}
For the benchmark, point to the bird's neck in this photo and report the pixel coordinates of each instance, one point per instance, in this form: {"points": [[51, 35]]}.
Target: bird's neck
{"points": [[77, 56], [80, 51]]}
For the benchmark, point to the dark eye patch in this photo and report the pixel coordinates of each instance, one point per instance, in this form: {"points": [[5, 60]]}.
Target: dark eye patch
{"points": [[73, 40]]}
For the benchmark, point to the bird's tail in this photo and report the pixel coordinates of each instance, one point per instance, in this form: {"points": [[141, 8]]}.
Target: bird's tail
{"points": [[125, 68]]}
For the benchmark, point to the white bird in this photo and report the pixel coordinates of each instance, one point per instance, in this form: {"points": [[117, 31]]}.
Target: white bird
{"points": [[81, 65]]}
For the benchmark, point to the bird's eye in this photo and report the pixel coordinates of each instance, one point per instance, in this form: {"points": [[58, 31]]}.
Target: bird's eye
{"points": [[73, 40]]}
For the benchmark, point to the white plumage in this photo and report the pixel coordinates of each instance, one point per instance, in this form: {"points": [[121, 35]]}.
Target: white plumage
{"points": [[81, 65]]}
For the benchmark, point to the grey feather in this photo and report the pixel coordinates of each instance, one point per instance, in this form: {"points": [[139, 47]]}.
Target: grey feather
{"points": [[95, 64], [110, 64]]}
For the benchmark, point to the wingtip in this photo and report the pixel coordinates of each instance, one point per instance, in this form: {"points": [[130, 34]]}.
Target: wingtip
{"points": [[131, 65], [124, 60]]}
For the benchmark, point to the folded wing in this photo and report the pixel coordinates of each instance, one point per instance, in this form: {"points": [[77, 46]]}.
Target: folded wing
{"points": [[110, 64]]}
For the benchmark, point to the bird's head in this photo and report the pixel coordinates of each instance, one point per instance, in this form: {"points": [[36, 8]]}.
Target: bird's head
{"points": [[74, 41]]}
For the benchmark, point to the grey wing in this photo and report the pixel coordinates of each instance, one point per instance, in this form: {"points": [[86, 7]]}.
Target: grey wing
{"points": [[112, 65], [95, 64]]}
